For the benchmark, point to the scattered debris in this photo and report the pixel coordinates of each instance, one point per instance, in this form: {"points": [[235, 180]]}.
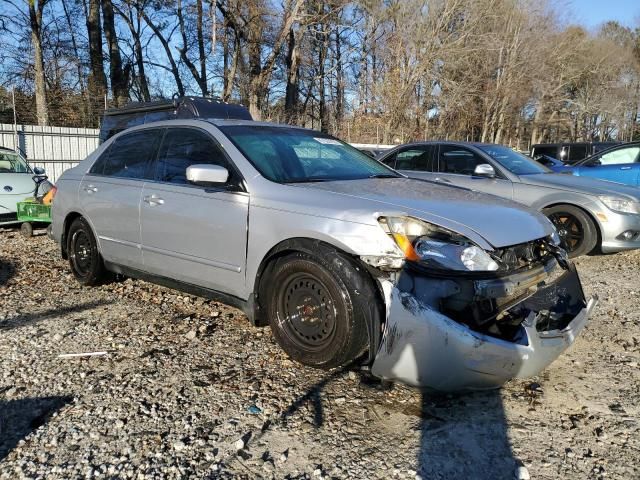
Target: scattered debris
{"points": [[87, 354]]}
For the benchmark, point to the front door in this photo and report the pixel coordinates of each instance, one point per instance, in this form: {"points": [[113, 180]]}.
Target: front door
{"points": [[192, 233], [110, 195], [619, 165], [456, 167]]}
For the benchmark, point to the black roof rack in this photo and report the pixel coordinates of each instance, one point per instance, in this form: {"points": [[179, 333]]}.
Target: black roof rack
{"points": [[137, 113]]}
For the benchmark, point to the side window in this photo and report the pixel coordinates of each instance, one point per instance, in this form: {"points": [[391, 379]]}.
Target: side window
{"points": [[98, 166], [183, 147], [577, 152], [620, 156], [130, 156], [420, 158], [458, 160], [390, 161]]}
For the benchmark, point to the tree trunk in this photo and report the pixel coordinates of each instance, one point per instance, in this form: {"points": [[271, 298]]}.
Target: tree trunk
{"points": [[230, 71], [119, 76], [201, 54], [81, 78], [339, 79], [293, 71], [97, 78], [35, 19]]}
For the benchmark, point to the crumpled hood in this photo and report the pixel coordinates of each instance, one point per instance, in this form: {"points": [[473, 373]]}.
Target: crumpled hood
{"points": [[500, 222], [586, 185]]}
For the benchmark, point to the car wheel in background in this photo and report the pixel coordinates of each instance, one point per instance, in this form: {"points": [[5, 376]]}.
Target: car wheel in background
{"points": [[26, 230], [319, 307], [578, 233], [84, 258]]}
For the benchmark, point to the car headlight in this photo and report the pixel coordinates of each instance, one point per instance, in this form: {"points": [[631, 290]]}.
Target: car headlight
{"points": [[621, 205], [435, 246]]}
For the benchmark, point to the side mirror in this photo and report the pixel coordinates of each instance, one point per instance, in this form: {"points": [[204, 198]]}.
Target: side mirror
{"points": [[38, 170], [484, 170], [207, 174]]}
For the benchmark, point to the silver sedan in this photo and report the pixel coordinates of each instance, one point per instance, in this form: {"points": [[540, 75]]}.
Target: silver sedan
{"points": [[348, 261], [588, 213]]}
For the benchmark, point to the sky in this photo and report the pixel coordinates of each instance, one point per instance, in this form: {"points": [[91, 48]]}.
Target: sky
{"points": [[592, 13]]}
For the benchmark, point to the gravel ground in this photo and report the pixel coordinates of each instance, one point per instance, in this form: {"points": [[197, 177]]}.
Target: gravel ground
{"points": [[189, 388]]}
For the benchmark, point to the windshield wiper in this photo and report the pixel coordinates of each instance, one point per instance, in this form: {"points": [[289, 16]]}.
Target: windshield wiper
{"points": [[384, 175], [311, 180]]}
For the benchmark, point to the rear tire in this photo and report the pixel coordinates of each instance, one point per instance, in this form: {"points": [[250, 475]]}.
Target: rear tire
{"points": [[84, 257], [578, 233], [319, 307]]}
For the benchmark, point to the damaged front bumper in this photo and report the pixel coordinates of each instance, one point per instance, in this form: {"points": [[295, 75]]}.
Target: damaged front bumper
{"points": [[428, 342]]}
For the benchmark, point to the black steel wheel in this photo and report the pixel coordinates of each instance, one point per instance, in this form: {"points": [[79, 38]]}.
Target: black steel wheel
{"points": [[310, 313], [578, 233], [84, 258], [319, 307]]}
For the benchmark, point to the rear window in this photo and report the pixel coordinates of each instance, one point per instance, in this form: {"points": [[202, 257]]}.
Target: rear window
{"points": [[551, 151]]}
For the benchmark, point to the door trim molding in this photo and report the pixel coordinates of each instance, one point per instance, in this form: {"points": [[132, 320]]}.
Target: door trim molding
{"points": [[191, 258]]}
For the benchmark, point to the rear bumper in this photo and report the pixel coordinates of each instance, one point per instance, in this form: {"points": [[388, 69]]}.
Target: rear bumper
{"points": [[425, 348]]}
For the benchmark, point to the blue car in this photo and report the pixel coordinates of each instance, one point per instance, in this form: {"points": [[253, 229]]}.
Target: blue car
{"points": [[619, 164]]}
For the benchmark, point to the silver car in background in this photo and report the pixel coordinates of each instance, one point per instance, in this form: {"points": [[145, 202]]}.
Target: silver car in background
{"points": [[588, 213], [347, 260]]}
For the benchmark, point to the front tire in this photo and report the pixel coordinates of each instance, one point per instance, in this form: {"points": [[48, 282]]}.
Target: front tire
{"points": [[84, 257], [319, 307], [578, 233]]}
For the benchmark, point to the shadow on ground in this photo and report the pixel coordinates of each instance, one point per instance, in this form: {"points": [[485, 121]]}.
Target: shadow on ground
{"points": [[18, 418], [7, 271], [461, 435], [31, 318]]}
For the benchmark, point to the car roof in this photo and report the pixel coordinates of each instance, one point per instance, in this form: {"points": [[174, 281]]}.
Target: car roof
{"points": [[222, 122], [448, 142]]}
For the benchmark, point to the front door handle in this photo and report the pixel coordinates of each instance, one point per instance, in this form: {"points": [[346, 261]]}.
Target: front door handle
{"points": [[153, 200], [443, 180], [625, 168], [90, 189]]}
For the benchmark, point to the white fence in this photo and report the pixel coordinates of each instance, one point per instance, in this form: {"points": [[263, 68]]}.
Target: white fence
{"points": [[53, 148]]}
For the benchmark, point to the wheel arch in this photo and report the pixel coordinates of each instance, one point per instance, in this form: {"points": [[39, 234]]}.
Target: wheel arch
{"points": [[68, 220], [314, 247], [586, 212]]}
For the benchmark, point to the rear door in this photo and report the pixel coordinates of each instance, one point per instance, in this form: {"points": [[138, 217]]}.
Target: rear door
{"points": [[620, 165], [456, 167], [193, 233], [110, 194]]}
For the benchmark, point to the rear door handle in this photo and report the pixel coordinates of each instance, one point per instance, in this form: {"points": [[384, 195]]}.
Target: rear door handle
{"points": [[625, 168], [153, 200], [443, 180], [90, 189]]}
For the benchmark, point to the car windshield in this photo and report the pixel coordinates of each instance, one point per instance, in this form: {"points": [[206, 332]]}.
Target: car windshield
{"points": [[11, 162], [513, 161], [293, 155]]}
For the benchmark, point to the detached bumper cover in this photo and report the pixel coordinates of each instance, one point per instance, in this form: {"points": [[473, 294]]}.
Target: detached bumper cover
{"points": [[425, 348]]}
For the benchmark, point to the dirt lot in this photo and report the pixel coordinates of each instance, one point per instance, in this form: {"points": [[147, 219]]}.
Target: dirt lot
{"points": [[189, 388]]}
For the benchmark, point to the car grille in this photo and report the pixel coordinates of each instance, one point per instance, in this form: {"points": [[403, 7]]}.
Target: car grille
{"points": [[8, 217]]}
